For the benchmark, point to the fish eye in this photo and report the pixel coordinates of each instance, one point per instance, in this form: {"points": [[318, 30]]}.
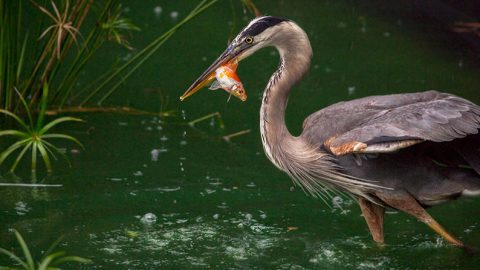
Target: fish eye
{"points": [[249, 40]]}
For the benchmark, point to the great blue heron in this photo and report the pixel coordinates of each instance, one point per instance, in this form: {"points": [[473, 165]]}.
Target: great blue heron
{"points": [[404, 151]]}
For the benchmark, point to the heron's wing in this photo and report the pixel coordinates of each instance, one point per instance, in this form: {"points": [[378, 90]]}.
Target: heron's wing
{"points": [[390, 123]]}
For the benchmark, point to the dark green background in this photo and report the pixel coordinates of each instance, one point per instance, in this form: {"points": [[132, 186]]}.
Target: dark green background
{"points": [[223, 205]]}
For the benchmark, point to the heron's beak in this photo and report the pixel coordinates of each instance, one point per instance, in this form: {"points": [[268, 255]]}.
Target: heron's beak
{"points": [[209, 74]]}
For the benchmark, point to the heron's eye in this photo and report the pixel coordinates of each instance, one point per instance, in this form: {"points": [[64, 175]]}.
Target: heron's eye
{"points": [[249, 40]]}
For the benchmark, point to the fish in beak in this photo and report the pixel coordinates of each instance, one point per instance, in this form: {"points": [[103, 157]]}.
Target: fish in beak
{"points": [[228, 80], [223, 70]]}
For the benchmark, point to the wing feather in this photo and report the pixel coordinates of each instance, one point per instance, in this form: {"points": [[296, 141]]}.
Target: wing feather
{"points": [[389, 123]]}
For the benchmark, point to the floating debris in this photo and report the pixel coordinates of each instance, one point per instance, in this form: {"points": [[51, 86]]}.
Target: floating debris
{"points": [[22, 208], [168, 189], [251, 184], [228, 137], [292, 228]]}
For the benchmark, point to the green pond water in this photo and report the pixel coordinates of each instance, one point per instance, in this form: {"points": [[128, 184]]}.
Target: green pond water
{"points": [[220, 204]]}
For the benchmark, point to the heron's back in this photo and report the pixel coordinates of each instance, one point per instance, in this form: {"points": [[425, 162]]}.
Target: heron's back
{"points": [[426, 143]]}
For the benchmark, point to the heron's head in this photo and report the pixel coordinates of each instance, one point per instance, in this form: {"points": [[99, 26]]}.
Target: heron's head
{"points": [[259, 33]]}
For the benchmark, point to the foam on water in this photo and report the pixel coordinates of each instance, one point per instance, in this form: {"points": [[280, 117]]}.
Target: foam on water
{"points": [[349, 253], [202, 241], [22, 208]]}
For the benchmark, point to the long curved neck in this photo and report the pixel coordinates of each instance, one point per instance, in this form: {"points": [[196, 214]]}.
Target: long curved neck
{"points": [[295, 54]]}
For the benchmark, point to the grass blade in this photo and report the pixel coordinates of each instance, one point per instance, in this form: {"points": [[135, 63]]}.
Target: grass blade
{"points": [[13, 133], [26, 251], [58, 121], [14, 257], [25, 105], [18, 119], [53, 246], [44, 265], [50, 152], [11, 149], [72, 259], [58, 151], [21, 59], [45, 157], [62, 136], [43, 105], [20, 156], [34, 157]]}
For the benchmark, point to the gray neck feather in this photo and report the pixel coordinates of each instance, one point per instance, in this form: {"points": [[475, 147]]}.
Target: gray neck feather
{"points": [[312, 169], [295, 53]]}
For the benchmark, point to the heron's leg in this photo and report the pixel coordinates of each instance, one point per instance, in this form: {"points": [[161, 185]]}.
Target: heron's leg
{"points": [[373, 215], [406, 203]]}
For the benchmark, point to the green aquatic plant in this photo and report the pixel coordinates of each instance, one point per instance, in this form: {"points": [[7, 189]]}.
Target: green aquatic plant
{"points": [[35, 135], [61, 26], [116, 26], [250, 6], [119, 75], [26, 65], [50, 260]]}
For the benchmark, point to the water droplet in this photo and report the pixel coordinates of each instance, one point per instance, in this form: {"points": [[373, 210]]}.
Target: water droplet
{"points": [[174, 15], [351, 90], [157, 10], [337, 201], [149, 219], [154, 154]]}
